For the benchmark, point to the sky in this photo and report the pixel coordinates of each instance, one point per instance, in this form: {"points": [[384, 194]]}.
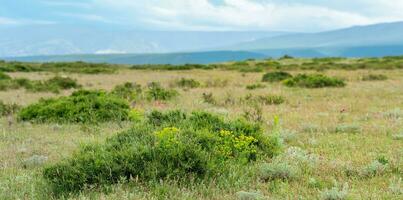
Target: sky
{"points": [[202, 15]]}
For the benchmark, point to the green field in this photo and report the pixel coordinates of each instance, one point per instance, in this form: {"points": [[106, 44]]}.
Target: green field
{"points": [[337, 135]]}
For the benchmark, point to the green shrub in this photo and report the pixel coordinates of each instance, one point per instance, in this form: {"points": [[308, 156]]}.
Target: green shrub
{"points": [[8, 109], [156, 92], [270, 99], [313, 81], [276, 76], [63, 83], [255, 86], [171, 145], [187, 83], [4, 76], [335, 193], [374, 77], [81, 107], [128, 91], [278, 171]]}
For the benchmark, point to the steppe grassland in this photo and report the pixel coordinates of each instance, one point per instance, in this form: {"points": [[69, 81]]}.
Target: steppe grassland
{"points": [[309, 118]]}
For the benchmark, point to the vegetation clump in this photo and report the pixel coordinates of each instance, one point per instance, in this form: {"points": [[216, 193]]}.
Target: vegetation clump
{"points": [[187, 83], [167, 146], [276, 76], [54, 84], [314, 81], [81, 107], [8, 109], [255, 86], [374, 77], [156, 92], [69, 67], [128, 91], [4, 76]]}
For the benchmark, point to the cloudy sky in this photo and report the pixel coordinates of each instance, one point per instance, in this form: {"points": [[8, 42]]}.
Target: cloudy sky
{"points": [[206, 15]]}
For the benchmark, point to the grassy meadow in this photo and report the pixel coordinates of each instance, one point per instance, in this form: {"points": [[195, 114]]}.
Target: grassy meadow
{"points": [[343, 142]]}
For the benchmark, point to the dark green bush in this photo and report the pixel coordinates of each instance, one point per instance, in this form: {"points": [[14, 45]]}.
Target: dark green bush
{"points": [[171, 145], [374, 77], [156, 92], [276, 76], [128, 91], [81, 107], [8, 109], [314, 81], [187, 83]]}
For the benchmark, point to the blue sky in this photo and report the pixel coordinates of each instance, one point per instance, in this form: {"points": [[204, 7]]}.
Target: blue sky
{"points": [[206, 15]]}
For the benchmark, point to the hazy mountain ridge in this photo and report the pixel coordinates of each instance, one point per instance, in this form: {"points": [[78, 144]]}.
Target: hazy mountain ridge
{"points": [[62, 40], [372, 35]]}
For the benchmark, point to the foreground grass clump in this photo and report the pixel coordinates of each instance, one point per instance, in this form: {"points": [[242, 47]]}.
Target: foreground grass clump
{"points": [[4, 76], [255, 86], [276, 76], [81, 107], [156, 92], [7, 109], [314, 81], [172, 145]]}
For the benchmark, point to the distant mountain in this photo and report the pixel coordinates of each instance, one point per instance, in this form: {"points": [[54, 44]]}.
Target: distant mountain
{"points": [[63, 39], [373, 40], [168, 58]]}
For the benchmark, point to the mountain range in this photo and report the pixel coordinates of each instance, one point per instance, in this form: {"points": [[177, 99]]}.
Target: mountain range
{"points": [[60, 43]]}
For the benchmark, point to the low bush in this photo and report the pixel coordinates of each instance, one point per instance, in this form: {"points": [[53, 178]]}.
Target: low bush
{"points": [[278, 171], [313, 81], [276, 76], [187, 83], [270, 99], [156, 92], [81, 107], [54, 84], [374, 77], [172, 145], [255, 86], [263, 99], [128, 91], [335, 193], [8, 109]]}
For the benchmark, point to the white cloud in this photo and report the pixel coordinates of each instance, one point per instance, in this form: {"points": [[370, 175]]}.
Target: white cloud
{"points": [[109, 51], [88, 17], [11, 21], [7, 21], [240, 14]]}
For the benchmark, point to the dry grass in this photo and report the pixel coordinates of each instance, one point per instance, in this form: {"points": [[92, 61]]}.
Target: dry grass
{"points": [[361, 103]]}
